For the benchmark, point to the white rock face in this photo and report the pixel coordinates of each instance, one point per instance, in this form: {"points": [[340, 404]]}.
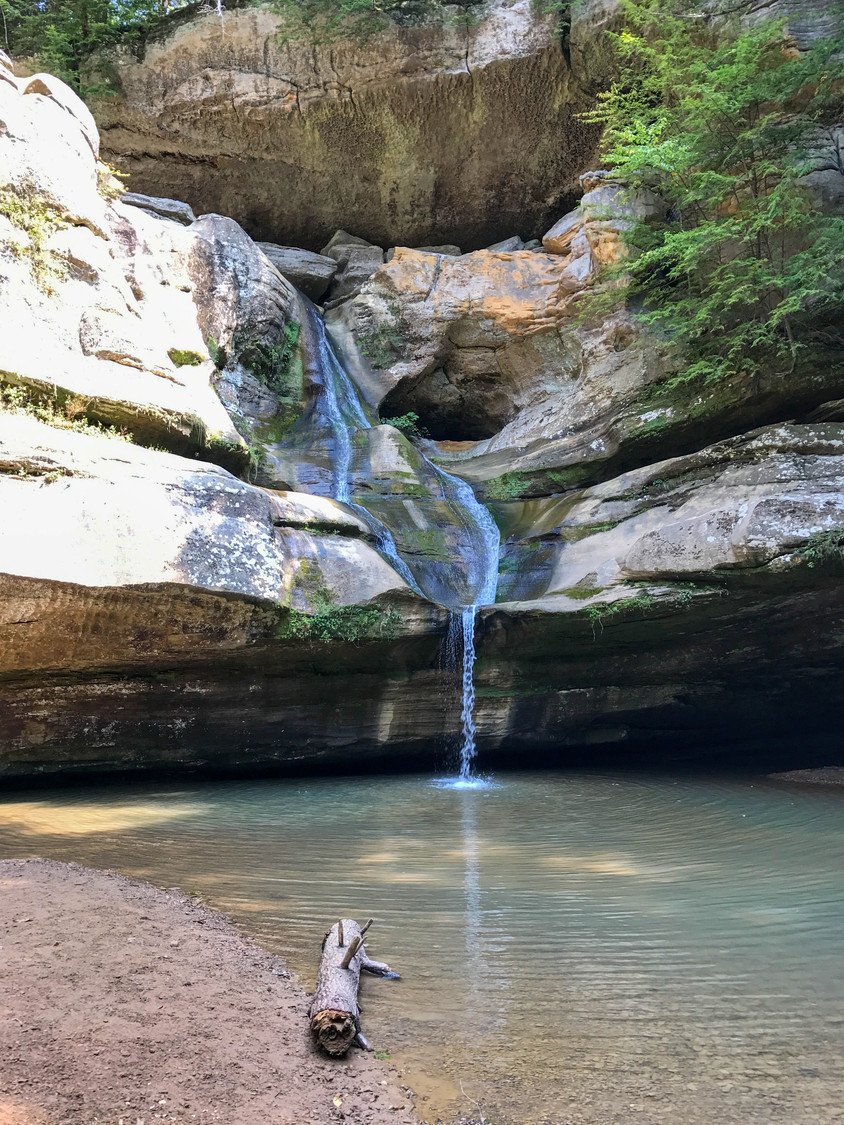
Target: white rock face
{"points": [[99, 512], [97, 299]]}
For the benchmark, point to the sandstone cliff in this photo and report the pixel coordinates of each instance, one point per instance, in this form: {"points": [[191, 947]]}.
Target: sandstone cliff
{"points": [[191, 595], [466, 132]]}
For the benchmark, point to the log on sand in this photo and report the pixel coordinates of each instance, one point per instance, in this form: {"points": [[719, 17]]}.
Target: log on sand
{"points": [[335, 1012]]}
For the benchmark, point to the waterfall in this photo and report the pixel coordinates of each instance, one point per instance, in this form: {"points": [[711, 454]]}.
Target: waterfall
{"points": [[467, 714], [334, 379], [486, 581], [345, 413]]}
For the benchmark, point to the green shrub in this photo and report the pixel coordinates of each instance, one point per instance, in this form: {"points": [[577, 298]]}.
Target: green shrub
{"points": [[406, 424], [824, 549], [350, 623]]}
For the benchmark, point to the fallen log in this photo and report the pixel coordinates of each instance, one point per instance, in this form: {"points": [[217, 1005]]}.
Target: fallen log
{"points": [[335, 1011]]}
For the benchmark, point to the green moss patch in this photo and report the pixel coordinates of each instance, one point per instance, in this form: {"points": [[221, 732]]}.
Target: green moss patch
{"points": [[38, 220], [184, 358]]}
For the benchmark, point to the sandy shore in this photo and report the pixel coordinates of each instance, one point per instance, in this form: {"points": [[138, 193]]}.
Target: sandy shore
{"points": [[826, 775], [125, 1004]]}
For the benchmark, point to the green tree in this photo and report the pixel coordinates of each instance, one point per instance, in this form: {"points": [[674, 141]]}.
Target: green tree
{"points": [[720, 120], [61, 34]]}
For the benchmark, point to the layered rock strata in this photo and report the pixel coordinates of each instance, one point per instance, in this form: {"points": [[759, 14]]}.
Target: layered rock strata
{"points": [[416, 131], [669, 577]]}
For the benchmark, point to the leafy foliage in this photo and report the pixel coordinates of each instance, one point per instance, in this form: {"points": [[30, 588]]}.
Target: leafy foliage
{"points": [[350, 623], [825, 549], [61, 34], [408, 424], [37, 219], [322, 21], [747, 273], [279, 368]]}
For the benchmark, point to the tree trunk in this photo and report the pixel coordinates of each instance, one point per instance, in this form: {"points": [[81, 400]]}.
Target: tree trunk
{"points": [[335, 1012]]}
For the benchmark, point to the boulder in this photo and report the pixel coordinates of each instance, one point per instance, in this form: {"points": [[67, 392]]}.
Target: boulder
{"points": [[507, 245], [48, 155], [607, 209], [165, 208], [127, 516], [449, 250], [48, 86], [311, 273], [357, 260], [243, 302]]}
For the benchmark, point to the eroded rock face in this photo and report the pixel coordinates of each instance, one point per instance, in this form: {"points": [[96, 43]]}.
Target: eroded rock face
{"points": [[125, 560], [524, 395], [100, 312], [410, 138], [245, 303], [742, 508], [662, 613]]}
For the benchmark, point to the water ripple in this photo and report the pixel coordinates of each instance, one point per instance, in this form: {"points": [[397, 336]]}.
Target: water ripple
{"points": [[676, 942]]}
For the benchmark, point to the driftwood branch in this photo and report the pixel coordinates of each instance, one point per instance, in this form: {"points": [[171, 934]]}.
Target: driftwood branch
{"points": [[335, 1011]]}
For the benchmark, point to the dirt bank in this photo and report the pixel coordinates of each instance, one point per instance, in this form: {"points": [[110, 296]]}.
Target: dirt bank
{"points": [[123, 1003]]}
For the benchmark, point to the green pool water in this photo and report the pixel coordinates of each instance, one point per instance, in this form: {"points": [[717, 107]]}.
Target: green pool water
{"points": [[574, 948]]}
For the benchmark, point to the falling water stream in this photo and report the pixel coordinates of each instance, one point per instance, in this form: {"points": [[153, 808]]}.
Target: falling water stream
{"points": [[344, 410], [345, 413]]}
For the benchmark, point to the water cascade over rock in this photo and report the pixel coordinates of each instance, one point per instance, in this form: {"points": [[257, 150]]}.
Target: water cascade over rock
{"points": [[475, 571], [258, 572]]}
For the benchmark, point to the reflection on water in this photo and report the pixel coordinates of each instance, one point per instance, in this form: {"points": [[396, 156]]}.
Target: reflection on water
{"points": [[574, 948]]}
